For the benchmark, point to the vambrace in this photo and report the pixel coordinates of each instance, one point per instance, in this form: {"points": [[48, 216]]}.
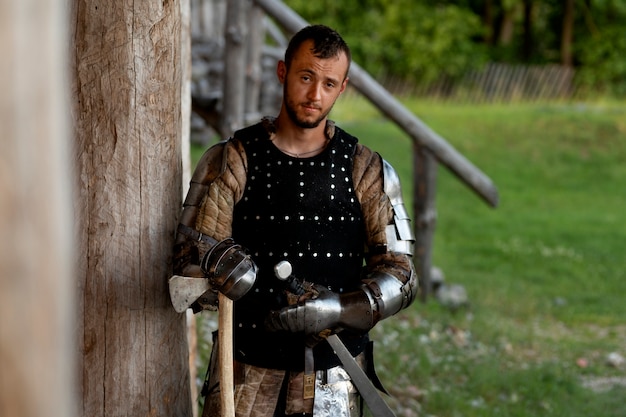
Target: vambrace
{"points": [[400, 237], [381, 295], [388, 295], [203, 247]]}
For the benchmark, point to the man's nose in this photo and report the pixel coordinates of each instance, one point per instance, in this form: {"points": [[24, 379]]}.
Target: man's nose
{"points": [[314, 92]]}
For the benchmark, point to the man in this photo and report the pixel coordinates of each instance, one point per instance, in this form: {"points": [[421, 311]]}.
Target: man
{"points": [[298, 188]]}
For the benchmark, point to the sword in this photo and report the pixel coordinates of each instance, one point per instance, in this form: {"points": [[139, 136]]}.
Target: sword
{"points": [[375, 402], [370, 394]]}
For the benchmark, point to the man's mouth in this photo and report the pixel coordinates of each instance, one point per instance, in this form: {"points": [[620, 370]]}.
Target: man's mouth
{"points": [[311, 107]]}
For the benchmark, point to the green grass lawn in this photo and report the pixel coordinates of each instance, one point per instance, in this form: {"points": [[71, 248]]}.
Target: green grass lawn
{"points": [[545, 270]]}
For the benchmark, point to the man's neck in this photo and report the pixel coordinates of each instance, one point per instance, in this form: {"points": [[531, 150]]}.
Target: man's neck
{"points": [[295, 140]]}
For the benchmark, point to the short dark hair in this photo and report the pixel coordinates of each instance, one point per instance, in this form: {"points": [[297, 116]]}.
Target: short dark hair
{"points": [[327, 43]]}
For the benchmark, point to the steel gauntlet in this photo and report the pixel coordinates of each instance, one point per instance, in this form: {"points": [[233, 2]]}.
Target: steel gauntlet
{"points": [[381, 295], [326, 310], [229, 269]]}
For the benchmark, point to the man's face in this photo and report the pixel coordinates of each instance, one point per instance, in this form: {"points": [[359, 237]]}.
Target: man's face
{"points": [[312, 85]]}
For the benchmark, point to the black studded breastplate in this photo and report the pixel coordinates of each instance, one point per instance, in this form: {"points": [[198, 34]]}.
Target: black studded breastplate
{"points": [[304, 211]]}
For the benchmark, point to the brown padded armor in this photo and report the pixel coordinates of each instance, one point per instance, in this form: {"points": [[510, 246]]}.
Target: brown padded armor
{"points": [[378, 213], [219, 181], [217, 184]]}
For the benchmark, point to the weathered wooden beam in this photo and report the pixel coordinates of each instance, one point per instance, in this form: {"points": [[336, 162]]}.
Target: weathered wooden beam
{"points": [[235, 33], [424, 207], [126, 77], [185, 53], [393, 109], [254, 50]]}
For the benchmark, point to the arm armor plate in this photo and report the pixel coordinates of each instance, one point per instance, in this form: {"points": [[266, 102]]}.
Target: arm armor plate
{"points": [[203, 246], [388, 295], [399, 234]]}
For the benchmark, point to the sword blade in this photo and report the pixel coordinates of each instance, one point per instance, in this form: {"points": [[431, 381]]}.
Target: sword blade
{"points": [[374, 401]]}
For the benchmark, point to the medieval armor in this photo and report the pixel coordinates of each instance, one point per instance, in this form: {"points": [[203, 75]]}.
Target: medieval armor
{"points": [[326, 214], [328, 310], [229, 268]]}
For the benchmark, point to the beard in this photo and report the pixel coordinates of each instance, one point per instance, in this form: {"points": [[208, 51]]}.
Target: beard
{"points": [[290, 107]]}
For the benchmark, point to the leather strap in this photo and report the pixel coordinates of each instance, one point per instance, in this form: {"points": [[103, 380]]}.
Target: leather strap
{"points": [[309, 373], [195, 235]]}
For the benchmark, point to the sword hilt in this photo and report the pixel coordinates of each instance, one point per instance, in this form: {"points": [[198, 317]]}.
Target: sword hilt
{"points": [[283, 271]]}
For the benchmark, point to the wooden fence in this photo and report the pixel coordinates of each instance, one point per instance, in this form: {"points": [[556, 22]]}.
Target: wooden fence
{"points": [[497, 82]]}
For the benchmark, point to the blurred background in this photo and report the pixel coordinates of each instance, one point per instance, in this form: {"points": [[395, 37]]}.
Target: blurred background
{"points": [[526, 315]]}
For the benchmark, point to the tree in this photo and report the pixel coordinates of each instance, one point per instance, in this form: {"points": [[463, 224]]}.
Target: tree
{"points": [[422, 40], [567, 33], [415, 40], [600, 49], [126, 75]]}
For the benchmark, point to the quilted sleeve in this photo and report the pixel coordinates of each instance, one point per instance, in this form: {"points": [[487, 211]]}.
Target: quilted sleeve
{"points": [[216, 185]]}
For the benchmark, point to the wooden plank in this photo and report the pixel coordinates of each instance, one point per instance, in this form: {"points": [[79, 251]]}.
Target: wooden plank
{"points": [[425, 209], [185, 51], [254, 50], [235, 33]]}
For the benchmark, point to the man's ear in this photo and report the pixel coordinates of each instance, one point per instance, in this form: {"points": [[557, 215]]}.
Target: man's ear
{"points": [[344, 84], [281, 71]]}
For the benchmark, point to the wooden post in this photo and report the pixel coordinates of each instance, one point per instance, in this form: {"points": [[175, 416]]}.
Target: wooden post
{"points": [[126, 96], [255, 42], [567, 34], [425, 211], [185, 41], [37, 301], [234, 67]]}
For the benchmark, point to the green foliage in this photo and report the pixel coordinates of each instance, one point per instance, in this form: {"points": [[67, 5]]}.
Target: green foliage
{"points": [[603, 67], [416, 41], [425, 41]]}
